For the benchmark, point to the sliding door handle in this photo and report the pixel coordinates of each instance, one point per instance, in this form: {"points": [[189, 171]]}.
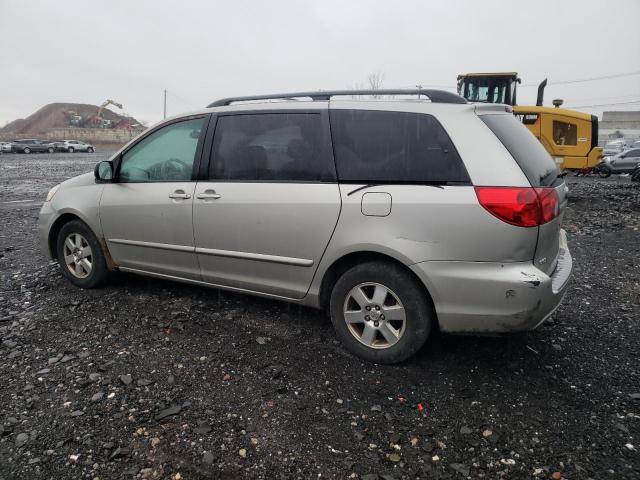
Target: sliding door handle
{"points": [[179, 195], [209, 195]]}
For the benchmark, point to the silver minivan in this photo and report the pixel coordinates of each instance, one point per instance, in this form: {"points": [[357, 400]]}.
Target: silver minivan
{"points": [[398, 216]]}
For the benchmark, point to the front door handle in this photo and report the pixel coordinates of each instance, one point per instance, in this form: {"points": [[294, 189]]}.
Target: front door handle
{"points": [[209, 195], [179, 195]]}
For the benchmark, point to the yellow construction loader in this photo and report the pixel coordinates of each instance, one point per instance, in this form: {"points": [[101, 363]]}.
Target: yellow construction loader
{"points": [[570, 137]]}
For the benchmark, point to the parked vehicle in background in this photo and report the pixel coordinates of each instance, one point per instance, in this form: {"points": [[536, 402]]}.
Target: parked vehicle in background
{"points": [[5, 147], [614, 147], [623, 162], [74, 146], [32, 145], [396, 216]]}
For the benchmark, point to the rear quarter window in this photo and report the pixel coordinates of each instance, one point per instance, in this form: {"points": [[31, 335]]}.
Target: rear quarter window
{"points": [[393, 147], [524, 147]]}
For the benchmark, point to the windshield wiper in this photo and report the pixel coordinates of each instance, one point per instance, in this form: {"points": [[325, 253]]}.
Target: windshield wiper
{"points": [[428, 184]]}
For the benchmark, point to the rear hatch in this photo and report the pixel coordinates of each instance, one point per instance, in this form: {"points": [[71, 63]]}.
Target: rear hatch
{"points": [[543, 174]]}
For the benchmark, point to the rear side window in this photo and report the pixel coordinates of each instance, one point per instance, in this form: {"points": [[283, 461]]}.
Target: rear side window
{"points": [[387, 147], [271, 147], [524, 147]]}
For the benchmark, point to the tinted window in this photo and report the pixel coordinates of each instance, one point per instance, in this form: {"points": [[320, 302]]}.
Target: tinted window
{"points": [[375, 146], [271, 146], [165, 155], [526, 150], [565, 133]]}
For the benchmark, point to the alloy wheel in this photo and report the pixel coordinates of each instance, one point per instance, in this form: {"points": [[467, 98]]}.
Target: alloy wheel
{"points": [[374, 315], [78, 255]]}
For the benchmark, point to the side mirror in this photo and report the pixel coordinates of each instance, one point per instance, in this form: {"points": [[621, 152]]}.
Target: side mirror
{"points": [[103, 172]]}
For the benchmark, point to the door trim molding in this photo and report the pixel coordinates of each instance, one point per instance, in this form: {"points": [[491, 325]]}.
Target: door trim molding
{"points": [[259, 257], [161, 246]]}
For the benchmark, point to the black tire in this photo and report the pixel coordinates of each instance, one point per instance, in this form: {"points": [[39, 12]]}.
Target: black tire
{"points": [[635, 175], [70, 150], [420, 315], [99, 273], [604, 171], [89, 150], [26, 150]]}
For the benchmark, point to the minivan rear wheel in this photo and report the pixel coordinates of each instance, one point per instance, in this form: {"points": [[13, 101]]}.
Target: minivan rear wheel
{"points": [[380, 312], [80, 256]]}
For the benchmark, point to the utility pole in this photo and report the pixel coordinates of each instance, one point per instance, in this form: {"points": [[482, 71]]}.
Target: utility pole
{"points": [[165, 104]]}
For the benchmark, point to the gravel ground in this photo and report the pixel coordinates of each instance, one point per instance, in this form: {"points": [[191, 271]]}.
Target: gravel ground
{"points": [[151, 379]]}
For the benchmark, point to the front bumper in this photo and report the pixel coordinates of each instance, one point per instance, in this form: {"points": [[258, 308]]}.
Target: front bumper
{"points": [[45, 221], [487, 297]]}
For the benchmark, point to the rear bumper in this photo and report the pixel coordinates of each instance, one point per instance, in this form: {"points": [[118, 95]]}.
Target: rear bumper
{"points": [[487, 297]]}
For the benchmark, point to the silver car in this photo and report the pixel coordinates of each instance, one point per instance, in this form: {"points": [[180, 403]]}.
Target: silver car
{"points": [[74, 146], [624, 162], [396, 216]]}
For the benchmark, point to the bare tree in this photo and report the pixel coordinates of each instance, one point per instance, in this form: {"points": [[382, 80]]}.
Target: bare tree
{"points": [[376, 81]]}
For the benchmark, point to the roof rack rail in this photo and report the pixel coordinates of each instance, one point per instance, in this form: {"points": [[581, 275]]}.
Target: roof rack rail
{"points": [[436, 96]]}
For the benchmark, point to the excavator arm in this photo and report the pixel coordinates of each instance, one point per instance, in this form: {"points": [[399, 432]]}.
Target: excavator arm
{"points": [[104, 104]]}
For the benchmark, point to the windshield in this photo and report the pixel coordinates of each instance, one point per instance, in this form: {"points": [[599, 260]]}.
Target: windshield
{"points": [[486, 90]]}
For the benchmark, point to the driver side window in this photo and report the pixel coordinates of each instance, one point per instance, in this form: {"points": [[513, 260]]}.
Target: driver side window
{"points": [[167, 155]]}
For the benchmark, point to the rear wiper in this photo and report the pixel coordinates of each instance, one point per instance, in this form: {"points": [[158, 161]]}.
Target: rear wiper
{"points": [[428, 184]]}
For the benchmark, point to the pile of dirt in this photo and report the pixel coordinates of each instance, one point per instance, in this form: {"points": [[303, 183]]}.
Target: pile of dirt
{"points": [[56, 115]]}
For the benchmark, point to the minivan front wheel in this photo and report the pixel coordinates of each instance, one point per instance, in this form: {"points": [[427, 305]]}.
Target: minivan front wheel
{"points": [[80, 256], [380, 312]]}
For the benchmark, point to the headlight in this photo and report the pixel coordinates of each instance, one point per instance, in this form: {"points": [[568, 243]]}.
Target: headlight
{"points": [[52, 192]]}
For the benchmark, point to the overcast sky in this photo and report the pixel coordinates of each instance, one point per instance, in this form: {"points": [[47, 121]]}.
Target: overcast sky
{"points": [[129, 51]]}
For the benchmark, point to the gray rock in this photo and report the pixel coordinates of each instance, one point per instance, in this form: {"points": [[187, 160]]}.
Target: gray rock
{"points": [[376, 408], [21, 439], [77, 413], [168, 412], [465, 430], [126, 379], [119, 453], [144, 382], [460, 468], [9, 343], [202, 429], [67, 358], [557, 347], [97, 397], [622, 428], [44, 371], [207, 458], [370, 476], [634, 396]]}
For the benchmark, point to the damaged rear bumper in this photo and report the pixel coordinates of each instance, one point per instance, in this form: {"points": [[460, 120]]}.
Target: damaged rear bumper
{"points": [[487, 297]]}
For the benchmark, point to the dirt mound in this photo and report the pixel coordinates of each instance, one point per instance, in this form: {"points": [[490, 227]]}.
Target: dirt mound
{"points": [[56, 115]]}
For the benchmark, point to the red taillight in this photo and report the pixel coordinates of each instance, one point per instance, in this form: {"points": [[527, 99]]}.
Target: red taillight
{"points": [[520, 206]]}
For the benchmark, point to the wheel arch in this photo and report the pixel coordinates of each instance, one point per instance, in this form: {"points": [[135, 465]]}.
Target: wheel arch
{"points": [[342, 264], [65, 218]]}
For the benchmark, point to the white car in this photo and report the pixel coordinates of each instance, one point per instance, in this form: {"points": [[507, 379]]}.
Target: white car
{"points": [[74, 146], [5, 147]]}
